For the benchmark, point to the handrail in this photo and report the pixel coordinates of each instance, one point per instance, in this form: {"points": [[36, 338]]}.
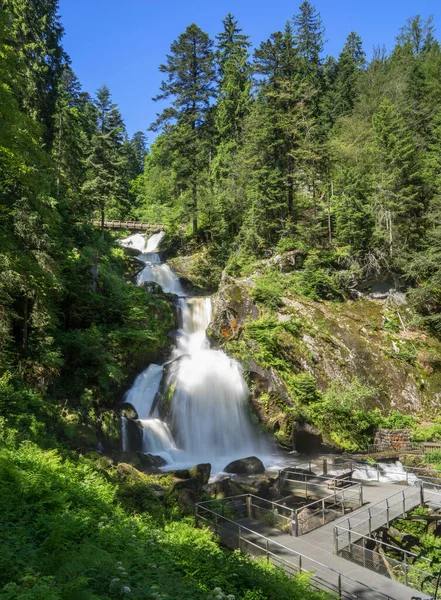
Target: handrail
{"points": [[395, 548], [294, 552], [341, 491]]}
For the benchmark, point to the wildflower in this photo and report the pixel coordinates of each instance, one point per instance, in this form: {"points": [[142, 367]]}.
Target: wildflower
{"points": [[126, 589]]}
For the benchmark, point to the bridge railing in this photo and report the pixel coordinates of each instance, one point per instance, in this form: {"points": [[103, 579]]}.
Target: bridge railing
{"points": [[236, 536], [327, 509], [401, 567], [363, 549], [250, 506], [375, 516]]}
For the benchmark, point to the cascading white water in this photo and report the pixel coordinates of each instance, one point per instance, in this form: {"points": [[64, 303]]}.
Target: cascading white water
{"points": [[208, 415], [208, 411], [156, 438], [142, 394]]}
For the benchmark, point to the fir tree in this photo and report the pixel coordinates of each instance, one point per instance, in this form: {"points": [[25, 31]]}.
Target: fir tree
{"points": [[190, 83]]}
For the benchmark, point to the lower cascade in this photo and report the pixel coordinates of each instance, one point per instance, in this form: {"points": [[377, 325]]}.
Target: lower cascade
{"points": [[194, 408]]}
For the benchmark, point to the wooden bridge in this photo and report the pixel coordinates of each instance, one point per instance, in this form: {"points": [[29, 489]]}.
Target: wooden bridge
{"points": [[130, 225]]}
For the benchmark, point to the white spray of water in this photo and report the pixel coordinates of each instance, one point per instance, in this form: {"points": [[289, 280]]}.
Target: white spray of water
{"points": [[208, 415], [143, 392], [208, 410]]}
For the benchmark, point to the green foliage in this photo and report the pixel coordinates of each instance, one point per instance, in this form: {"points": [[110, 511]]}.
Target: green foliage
{"points": [[344, 415], [66, 535]]}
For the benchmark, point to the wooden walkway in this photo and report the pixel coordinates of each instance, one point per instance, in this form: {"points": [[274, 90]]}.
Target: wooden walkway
{"points": [[137, 226]]}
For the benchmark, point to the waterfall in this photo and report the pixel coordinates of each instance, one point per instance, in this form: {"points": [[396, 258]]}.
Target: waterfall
{"points": [[207, 419], [142, 394]]}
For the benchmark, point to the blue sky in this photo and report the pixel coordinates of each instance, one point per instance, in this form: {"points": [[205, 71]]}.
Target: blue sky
{"points": [[123, 42]]}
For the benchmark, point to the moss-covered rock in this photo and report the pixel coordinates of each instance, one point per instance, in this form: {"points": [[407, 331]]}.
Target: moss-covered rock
{"points": [[301, 355]]}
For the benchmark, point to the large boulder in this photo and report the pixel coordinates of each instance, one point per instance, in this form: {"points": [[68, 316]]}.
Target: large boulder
{"points": [[226, 487], [128, 411], [201, 472], [232, 307], [251, 465]]}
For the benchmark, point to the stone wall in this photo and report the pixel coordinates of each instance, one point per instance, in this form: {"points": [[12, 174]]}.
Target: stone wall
{"points": [[397, 439]]}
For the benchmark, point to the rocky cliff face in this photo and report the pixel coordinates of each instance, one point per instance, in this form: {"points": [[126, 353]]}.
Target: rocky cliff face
{"points": [[365, 339]]}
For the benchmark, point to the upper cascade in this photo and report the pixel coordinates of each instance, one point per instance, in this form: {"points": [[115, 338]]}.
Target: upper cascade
{"points": [[207, 418]]}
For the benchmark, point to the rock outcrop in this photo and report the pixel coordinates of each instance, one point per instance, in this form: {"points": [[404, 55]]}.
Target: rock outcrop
{"points": [[232, 307], [251, 465]]}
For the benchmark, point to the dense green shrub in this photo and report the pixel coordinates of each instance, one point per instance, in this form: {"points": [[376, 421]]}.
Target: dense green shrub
{"points": [[65, 536]]}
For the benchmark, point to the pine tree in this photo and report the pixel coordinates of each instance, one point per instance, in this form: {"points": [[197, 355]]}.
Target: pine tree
{"points": [[397, 180], [309, 40], [37, 33], [107, 184], [350, 62], [190, 83]]}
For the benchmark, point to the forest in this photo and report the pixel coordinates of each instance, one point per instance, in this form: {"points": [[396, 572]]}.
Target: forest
{"points": [[259, 150]]}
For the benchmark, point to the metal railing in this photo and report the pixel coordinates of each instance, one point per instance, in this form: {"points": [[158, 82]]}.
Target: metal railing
{"points": [[402, 570], [310, 483], [353, 536], [322, 511], [250, 506], [377, 515], [236, 536]]}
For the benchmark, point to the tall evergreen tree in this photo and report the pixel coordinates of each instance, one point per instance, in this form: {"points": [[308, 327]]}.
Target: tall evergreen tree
{"points": [[36, 33], [397, 180], [107, 185], [190, 82]]}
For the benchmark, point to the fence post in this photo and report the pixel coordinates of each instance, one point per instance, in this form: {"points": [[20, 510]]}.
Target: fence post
{"points": [[361, 494], [407, 477], [370, 522], [240, 538], [267, 551], [196, 516], [421, 492], [404, 503], [325, 466], [323, 512], [249, 506], [339, 585], [300, 563], [378, 472], [292, 523], [406, 573], [335, 536], [297, 523], [343, 501], [387, 512]]}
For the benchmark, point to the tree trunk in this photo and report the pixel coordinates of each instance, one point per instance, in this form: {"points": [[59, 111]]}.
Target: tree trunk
{"points": [[195, 207]]}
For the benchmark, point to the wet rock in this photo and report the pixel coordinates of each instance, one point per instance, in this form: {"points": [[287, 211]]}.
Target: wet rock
{"points": [[150, 463], [226, 487], [201, 472], [180, 473], [307, 439], [266, 489], [128, 411], [246, 466], [186, 500]]}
